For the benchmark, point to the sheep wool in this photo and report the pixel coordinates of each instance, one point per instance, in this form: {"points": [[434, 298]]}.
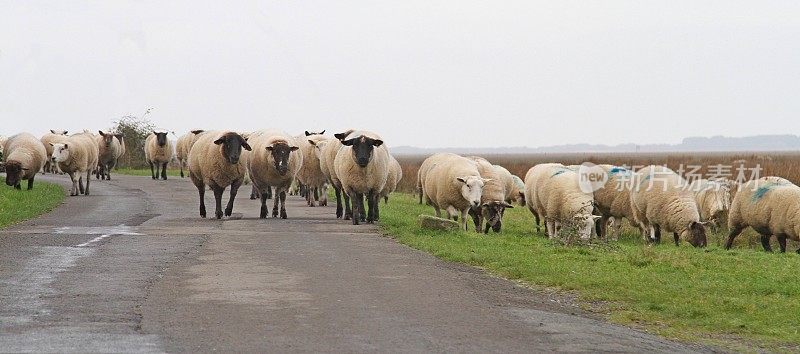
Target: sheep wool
{"points": [[771, 206], [215, 161], [24, 156], [713, 199], [362, 166], [561, 201], [533, 177], [54, 136], [453, 183], [274, 162], [183, 145], [76, 157], [661, 201], [613, 199], [310, 173], [393, 178], [426, 166]]}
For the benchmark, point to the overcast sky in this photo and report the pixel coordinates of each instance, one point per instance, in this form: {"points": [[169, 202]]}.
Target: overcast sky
{"points": [[422, 73]]}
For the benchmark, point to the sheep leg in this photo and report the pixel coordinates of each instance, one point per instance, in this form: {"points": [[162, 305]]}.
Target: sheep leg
{"points": [[358, 201], [765, 243], [109, 167], [735, 231], [463, 221], [254, 194], [46, 167], [316, 194], [439, 212], [74, 190], [152, 169], [80, 184], [657, 229], [338, 192], [275, 203], [234, 190], [164, 171], [551, 228], [348, 210], [677, 238], [371, 199], [264, 208], [30, 186], [202, 191], [602, 228], [218, 200], [88, 180], [476, 219], [283, 203], [181, 163], [782, 243], [323, 195]]}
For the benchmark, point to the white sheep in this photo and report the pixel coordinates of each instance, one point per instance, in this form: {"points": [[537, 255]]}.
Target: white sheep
{"points": [[771, 206], [362, 166], [515, 187], [183, 145], [532, 178], [109, 151], [394, 177], [274, 162], [123, 149], [452, 183], [54, 136], [493, 198], [561, 201], [158, 153], [425, 167], [713, 199], [76, 157], [310, 173], [661, 201], [613, 200], [24, 156], [215, 161]]}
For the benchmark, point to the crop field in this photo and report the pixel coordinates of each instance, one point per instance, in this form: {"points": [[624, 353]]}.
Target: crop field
{"points": [[742, 299]]}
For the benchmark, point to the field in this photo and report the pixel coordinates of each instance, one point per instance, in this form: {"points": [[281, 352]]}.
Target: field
{"points": [[743, 299], [19, 205]]}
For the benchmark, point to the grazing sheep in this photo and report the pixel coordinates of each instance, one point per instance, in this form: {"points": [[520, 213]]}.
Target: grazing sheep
{"points": [[771, 206], [109, 151], [310, 173], [660, 201], [395, 175], [24, 157], [215, 161], [561, 201], [613, 200], [76, 157], [532, 178], [453, 183], [183, 145], [54, 136], [273, 162], [158, 153], [515, 187], [713, 200], [493, 198], [362, 166]]}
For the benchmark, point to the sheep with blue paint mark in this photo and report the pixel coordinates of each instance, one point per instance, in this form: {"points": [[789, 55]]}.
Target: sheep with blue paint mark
{"points": [[553, 192], [613, 200], [661, 201], [771, 206], [713, 200]]}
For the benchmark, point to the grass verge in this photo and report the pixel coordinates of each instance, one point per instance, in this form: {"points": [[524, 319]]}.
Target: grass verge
{"points": [[145, 172], [20, 205], [744, 299]]}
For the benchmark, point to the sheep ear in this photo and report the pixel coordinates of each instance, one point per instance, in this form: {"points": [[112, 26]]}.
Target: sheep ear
{"points": [[322, 132], [52, 131], [195, 132], [377, 142], [269, 148], [293, 148], [66, 132], [219, 141], [51, 144], [340, 136], [348, 142], [507, 205], [307, 133], [246, 146], [312, 142], [461, 179], [101, 133], [66, 146]]}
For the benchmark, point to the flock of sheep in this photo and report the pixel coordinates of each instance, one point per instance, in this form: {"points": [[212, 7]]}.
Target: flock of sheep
{"points": [[654, 199], [358, 165]]}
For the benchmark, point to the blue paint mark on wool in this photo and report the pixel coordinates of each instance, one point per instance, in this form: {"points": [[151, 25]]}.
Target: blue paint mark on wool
{"points": [[616, 170], [558, 173], [762, 191]]}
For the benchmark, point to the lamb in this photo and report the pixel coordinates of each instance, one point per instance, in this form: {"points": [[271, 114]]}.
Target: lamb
{"points": [[183, 145], [158, 153], [109, 151], [713, 199], [561, 200], [77, 156], [310, 173], [532, 178], [453, 183], [661, 201], [613, 200], [215, 161], [362, 166], [493, 198], [54, 136], [273, 162], [771, 206], [24, 156], [395, 175]]}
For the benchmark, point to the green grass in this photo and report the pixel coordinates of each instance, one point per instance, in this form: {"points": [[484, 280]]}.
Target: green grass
{"points": [[20, 205], [171, 172], [742, 299]]}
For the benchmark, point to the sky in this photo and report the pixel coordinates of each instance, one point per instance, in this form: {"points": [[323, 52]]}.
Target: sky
{"points": [[420, 73]]}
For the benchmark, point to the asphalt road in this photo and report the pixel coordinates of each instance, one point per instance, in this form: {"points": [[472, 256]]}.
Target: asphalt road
{"points": [[133, 268]]}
